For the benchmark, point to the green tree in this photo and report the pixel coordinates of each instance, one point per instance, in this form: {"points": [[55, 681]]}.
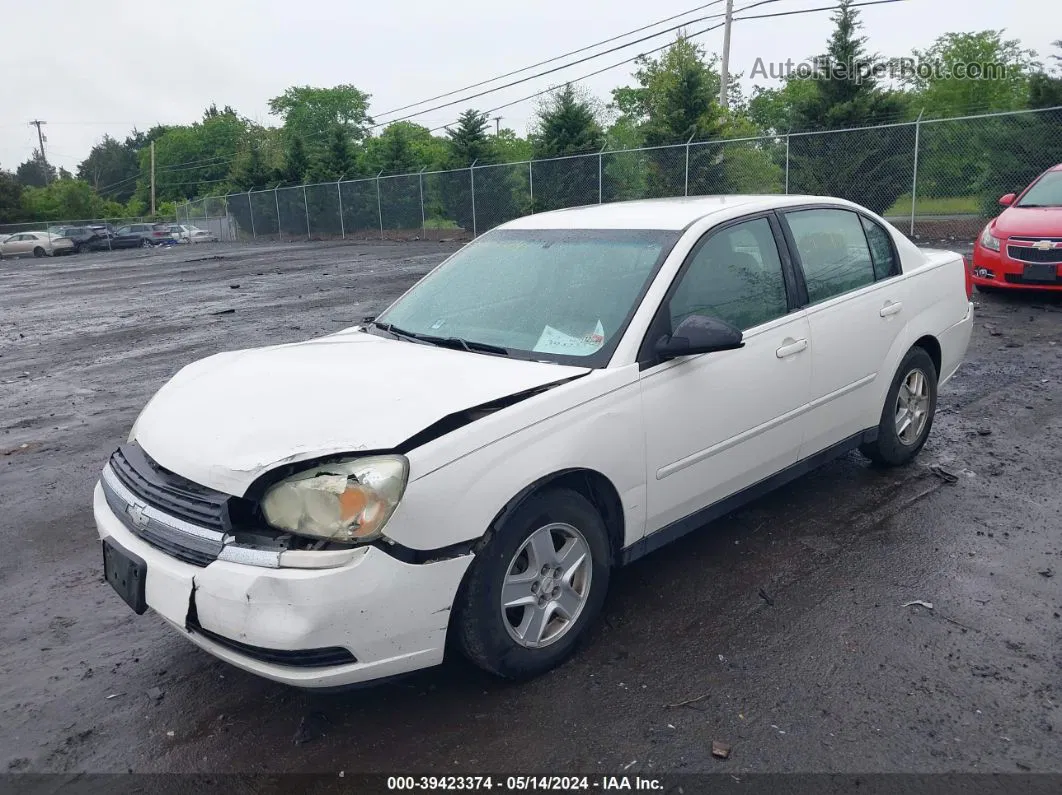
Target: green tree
{"points": [[1019, 148], [112, 166], [943, 83], [313, 113], [566, 124], [675, 100], [468, 140], [36, 172], [10, 198], [772, 109], [869, 166], [66, 199], [296, 162]]}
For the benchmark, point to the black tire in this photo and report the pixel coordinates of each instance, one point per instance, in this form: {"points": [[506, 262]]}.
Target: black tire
{"points": [[889, 449], [145, 243], [479, 624], [38, 252]]}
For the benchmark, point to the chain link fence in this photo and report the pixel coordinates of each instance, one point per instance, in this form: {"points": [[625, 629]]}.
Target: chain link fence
{"points": [[936, 179]]}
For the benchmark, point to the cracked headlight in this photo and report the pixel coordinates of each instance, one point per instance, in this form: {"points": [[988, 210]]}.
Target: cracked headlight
{"points": [[348, 502]]}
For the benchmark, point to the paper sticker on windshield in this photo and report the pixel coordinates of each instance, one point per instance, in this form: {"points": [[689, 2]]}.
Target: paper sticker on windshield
{"points": [[555, 341]]}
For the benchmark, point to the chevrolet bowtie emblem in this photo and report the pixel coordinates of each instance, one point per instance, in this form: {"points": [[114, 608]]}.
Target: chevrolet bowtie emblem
{"points": [[136, 513], [1044, 245]]}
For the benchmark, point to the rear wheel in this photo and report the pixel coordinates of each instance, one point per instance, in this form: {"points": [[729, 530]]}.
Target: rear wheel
{"points": [[535, 587], [908, 414], [145, 243], [38, 252]]}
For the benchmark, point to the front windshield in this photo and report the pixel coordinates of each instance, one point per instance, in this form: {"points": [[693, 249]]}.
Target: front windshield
{"points": [[1045, 192], [558, 295]]}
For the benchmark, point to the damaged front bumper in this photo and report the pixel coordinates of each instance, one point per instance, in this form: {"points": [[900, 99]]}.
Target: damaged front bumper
{"points": [[370, 618]]}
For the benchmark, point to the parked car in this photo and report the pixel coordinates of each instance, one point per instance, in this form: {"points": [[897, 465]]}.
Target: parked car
{"points": [[1022, 248], [83, 237], [37, 244], [192, 234], [564, 395], [148, 234]]}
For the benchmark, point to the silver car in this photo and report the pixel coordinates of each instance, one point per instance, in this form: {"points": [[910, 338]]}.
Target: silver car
{"points": [[38, 244]]}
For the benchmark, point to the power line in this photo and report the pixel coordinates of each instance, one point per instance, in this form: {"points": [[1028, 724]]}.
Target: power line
{"points": [[664, 47], [567, 65], [558, 57]]}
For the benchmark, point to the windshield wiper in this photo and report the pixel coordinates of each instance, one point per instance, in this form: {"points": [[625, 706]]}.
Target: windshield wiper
{"points": [[447, 342], [397, 332], [468, 345]]}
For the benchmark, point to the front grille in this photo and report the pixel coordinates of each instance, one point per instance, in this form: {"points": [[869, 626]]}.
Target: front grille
{"points": [[299, 658], [183, 540], [1035, 255], [170, 493], [1017, 278]]}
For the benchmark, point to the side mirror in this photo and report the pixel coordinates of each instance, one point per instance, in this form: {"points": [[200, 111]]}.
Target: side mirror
{"points": [[699, 334], [1007, 200]]}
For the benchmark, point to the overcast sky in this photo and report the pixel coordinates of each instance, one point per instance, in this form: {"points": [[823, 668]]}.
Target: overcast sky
{"points": [[119, 64]]}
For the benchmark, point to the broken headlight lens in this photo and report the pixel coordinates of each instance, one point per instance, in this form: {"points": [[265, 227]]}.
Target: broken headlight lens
{"points": [[348, 502]]}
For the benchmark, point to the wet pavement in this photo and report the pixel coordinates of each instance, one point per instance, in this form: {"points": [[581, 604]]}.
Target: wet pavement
{"points": [[780, 630]]}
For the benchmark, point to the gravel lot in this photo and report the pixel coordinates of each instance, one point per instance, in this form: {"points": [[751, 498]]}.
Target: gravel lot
{"points": [[779, 630]]}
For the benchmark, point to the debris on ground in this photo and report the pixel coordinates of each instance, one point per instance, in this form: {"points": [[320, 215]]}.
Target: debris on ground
{"points": [[155, 694], [234, 287], [766, 597], [114, 695], [926, 605], [688, 701], [310, 728], [224, 312], [944, 474], [984, 431], [1048, 573], [720, 750], [992, 330]]}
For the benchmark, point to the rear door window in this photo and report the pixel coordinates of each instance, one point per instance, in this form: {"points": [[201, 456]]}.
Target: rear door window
{"points": [[833, 251]]}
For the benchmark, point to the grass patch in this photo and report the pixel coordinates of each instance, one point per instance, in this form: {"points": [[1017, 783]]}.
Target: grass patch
{"points": [[954, 205], [440, 223]]}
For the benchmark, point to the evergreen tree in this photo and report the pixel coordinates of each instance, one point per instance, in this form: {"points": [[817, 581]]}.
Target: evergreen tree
{"points": [[468, 140], [867, 166]]}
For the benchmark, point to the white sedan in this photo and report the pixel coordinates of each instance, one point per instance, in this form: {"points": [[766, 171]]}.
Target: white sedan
{"points": [[564, 395], [36, 244]]}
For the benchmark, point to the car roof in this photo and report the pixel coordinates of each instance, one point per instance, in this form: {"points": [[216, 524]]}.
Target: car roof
{"points": [[672, 214]]}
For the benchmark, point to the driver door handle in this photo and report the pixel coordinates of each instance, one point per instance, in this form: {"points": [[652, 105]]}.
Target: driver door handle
{"points": [[791, 347], [891, 308]]}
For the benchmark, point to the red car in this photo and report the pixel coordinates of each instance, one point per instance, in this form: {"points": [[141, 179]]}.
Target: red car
{"points": [[1022, 248]]}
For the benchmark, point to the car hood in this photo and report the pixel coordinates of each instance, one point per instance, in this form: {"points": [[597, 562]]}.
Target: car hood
{"points": [[1029, 222], [226, 420]]}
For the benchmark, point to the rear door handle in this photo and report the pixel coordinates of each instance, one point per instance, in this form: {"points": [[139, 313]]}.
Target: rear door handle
{"points": [[790, 347], [891, 308]]}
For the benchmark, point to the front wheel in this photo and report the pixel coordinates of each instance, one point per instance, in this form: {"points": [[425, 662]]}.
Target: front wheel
{"points": [[535, 587], [908, 414], [38, 252]]}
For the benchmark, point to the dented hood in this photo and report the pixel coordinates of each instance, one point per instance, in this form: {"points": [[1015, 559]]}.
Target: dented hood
{"points": [[225, 420]]}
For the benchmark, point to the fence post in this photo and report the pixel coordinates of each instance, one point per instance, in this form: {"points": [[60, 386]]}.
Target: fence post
{"points": [[787, 164], [423, 222], [601, 173], [472, 179], [339, 193], [914, 179], [306, 211], [250, 212], [531, 184], [379, 204], [686, 187], [276, 198]]}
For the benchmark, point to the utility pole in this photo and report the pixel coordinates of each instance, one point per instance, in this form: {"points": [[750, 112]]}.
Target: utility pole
{"points": [[40, 137], [497, 125], [724, 70], [152, 178]]}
